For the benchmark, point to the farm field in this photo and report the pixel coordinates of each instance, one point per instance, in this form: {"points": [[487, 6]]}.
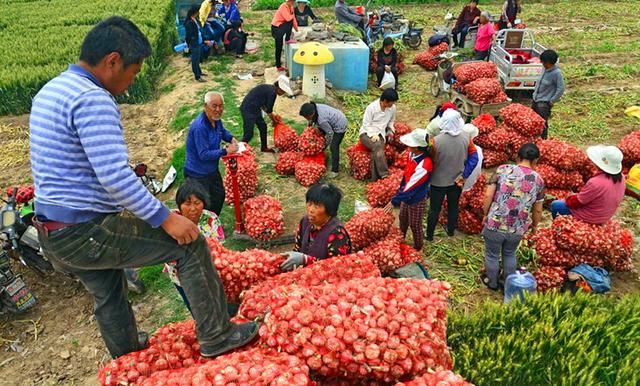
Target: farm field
{"points": [[600, 58]]}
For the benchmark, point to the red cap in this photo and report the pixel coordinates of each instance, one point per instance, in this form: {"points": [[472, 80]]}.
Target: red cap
{"points": [[447, 105]]}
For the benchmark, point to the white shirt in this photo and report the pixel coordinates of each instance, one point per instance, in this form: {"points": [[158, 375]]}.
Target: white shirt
{"points": [[375, 121]]}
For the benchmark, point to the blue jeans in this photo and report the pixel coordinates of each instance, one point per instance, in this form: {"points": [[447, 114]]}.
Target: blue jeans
{"points": [[498, 244], [559, 207], [463, 29], [196, 53]]}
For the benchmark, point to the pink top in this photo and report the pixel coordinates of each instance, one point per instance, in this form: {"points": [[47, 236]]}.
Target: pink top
{"points": [[600, 198], [284, 14], [483, 39]]}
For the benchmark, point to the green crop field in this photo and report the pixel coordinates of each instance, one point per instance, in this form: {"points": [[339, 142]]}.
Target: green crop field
{"points": [[39, 38]]}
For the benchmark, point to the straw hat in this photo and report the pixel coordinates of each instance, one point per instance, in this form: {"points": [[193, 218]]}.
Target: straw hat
{"points": [[416, 138], [606, 158]]}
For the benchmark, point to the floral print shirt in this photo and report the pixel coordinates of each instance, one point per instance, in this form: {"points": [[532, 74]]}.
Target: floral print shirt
{"points": [[339, 242], [517, 189], [210, 226]]}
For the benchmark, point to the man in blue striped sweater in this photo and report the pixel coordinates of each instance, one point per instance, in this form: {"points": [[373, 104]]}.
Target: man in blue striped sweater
{"points": [[83, 184]]}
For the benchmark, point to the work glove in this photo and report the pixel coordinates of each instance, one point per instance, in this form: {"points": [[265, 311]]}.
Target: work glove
{"points": [[293, 261]]}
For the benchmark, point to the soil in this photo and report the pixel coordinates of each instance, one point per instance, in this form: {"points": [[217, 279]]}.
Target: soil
{"points": [[58, 343]]}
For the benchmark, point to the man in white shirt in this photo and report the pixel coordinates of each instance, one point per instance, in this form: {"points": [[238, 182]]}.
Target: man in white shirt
{"points": [[378, 124]]}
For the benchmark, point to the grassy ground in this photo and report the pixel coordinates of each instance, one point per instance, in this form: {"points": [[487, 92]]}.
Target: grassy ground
{"points": [[599, 59]]}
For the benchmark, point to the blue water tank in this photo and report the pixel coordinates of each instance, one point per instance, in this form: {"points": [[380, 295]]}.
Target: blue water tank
{"points": [[517, 284], [349, 70]]}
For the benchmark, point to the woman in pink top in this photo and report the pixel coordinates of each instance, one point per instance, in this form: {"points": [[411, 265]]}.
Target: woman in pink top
{"points": [[283, 22], [484, 37], [598, 200]]}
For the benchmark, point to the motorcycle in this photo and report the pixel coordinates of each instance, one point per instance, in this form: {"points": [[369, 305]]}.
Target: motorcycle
{"points": [[150, 182], [384, 23]]}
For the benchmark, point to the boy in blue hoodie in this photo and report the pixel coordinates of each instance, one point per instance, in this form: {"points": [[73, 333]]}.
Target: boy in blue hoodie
{"points": [[414, 187]]}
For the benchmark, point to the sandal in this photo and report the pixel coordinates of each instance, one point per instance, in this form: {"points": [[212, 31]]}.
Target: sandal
{"points": [[484, 279]]}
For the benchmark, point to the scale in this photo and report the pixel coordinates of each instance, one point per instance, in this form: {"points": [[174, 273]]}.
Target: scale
{"points": [[239, 230]]}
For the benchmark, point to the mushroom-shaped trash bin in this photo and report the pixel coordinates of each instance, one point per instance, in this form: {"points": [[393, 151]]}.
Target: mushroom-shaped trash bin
{"points": [[313, 56]]}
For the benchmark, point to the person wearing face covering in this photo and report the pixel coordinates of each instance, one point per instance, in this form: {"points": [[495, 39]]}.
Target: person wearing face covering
{"points": [[455, 159]]}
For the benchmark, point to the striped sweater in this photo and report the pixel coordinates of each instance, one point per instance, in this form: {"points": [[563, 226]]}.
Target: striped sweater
{"points": [[79, 158]]}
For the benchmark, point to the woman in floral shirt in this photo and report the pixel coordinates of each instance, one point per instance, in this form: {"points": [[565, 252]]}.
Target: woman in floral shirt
{"points": [[320, 234], [191, 200], [511, 194]]}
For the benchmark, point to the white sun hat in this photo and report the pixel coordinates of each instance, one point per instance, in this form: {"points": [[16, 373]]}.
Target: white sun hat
{"points": [[416, 138], [283, 83], [470, 129], [606, 158]]}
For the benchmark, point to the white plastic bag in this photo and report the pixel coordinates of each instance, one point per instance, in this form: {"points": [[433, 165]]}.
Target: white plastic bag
{"points": [[361, 206], [388, 81]]}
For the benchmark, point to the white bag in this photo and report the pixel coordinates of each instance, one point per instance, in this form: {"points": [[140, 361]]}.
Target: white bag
{"points": [[388, 81]]}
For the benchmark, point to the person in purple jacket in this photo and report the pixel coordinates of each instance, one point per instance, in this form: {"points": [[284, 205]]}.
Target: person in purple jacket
{"points": [[320, 234]]}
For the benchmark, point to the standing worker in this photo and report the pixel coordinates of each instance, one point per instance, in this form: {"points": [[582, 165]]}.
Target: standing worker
{"points": [[486, 32], [83, 184], [414, 186], [510, 11], [549, 88], [469, 17], [283, 22], [513, 193], [203, 151], [333, 124], [303, 12], [261, 99], [194, 39], [377, 125], [455, 159]]}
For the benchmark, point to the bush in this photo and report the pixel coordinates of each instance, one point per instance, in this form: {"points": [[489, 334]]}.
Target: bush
{"points": [[550, 340], [38, 48]]}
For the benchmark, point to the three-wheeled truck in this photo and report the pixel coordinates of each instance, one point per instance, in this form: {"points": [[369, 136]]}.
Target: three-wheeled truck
{"points": [[517, 56]]}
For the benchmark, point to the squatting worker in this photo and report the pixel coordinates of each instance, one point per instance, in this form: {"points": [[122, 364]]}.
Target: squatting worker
{"points": [[510, 10], [346, 15], [332, 123], [320, 234], [83, 183], [549, 88], [261, 99], [203, 150], [283, 22], [378, 123], [303, 12], [513, 193], [387, 61], [455, 159], [484, 38], [599, 199]]}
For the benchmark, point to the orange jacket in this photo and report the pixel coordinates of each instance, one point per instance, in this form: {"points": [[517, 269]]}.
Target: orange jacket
{"points": [[283, 15]]}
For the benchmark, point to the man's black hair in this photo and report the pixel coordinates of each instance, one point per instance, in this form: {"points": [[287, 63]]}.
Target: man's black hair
{"points": [[115, 34], [388, 42], [475, 1], [389, 95], [327, 195], [549, 56], [194, 10], [529, 152], [309, 108], [188, 189]]}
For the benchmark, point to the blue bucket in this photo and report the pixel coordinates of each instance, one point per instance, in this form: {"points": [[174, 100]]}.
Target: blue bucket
{"points": [[180, 47]]}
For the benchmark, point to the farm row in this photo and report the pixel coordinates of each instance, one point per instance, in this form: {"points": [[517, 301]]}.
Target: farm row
{"points": [[38, 40]]}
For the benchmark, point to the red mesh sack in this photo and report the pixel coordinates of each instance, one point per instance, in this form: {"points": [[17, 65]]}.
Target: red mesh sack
{"points": [[286, 163], [497, 140], [438, 378], [492, 158], [311, 142], [380, 193], [247, 176], [562, 155], [402, 160], [401, 129], [284, 137], [630, 147], [467, 73], [374, 329], [485, 123], [308, 172], [550, 278], [523, 119], [483, 90], [263, 218], [554, 178], [368, 226], [359, 162]]}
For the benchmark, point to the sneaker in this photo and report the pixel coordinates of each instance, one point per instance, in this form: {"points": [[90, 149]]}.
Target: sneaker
{"points": [[244, 333], [267, 150], [282, 69], [332, 175], [201, 80]]}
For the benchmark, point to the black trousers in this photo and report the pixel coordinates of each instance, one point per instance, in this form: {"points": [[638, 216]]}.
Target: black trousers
{"points": [[380, 74], [251, 119], [463, 30], [215, 189], [481, 55], [237, 45], [281, 33], [335, 151], [544, 110], [452, 193]]}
